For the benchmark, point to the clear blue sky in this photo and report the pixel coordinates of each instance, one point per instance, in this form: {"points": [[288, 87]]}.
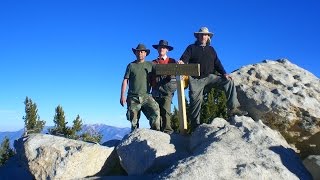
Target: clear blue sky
{"points": [[74, 53]]}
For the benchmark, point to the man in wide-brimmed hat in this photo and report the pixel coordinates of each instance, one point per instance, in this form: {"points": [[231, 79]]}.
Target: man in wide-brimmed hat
{"points": [[202, 53], [163, 87], [138, 97]]}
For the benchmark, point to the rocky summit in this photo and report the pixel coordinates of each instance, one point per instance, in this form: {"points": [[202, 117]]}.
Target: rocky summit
{"points": [[283, 102], [286, 98], [239, 148]]}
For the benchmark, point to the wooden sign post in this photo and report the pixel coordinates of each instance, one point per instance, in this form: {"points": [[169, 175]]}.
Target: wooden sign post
{"points": [[178, 70]]}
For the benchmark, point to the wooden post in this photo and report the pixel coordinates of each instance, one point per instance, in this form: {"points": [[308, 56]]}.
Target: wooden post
{"points": [[178, 70], [182, 106]]}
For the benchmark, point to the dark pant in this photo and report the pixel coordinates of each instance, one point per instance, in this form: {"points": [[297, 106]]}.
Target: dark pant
{"points": [[196, 90], [165, 112]]}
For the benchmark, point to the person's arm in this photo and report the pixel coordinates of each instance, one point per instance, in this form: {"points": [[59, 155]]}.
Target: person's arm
{"points": [[123, 91], [218, 66], [217, 63], [184, 59], [124, 86]]}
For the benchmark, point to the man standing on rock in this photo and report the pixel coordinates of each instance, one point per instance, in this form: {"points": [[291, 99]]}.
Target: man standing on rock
{"points": [[202, 53], [163, 87], [137, 75]]}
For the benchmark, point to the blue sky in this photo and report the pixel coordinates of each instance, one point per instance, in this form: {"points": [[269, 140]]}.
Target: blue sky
{"points": [[74, 53]]}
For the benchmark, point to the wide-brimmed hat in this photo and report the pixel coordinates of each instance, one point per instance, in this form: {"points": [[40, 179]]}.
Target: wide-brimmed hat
{"points": [[141, 47], [203, 30], [163, 43]]}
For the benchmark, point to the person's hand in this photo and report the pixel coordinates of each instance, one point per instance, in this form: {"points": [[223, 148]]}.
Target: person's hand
{"points": [[227, 76], [123, 100], [180, 62]]}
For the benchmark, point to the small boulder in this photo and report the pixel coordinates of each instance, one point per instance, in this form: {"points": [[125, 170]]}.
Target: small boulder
{"points": [[52, 157], [139, 150]]}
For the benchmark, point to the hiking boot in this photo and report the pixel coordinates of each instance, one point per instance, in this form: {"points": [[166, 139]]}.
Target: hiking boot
{"points": [[237, 111]]}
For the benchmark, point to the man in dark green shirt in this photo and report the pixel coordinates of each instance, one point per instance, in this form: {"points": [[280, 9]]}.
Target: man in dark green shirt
{"points": [[139, 98]]}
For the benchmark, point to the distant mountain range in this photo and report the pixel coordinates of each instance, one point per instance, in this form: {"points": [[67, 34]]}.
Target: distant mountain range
{"points": [[108, 132]]}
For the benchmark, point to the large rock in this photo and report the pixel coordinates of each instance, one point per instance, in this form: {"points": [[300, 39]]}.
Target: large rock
{"points": [[243, 149], [312, 163], [139, 151], [52, 157], [285, 97]]}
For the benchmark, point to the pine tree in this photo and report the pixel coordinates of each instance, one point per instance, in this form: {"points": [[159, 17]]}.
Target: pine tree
{"points": [[214, 105], [91, 137], [175, 123], [32, 121], [60, 124], [5, 151], [86, 136], [60, 128], [175, 120], [76, 127]]}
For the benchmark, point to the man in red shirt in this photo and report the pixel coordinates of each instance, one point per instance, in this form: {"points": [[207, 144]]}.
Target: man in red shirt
{"points": [[163, 87]]}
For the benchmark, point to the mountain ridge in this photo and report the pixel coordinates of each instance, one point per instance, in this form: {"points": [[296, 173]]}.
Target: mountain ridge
{"points": [[108, 132]]}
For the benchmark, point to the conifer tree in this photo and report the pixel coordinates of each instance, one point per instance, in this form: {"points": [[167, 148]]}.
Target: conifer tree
{"points": [[32, 121], [60, 124], [76, 127], [60, 128], [214, 105], [175, 123], [86, 136], [91, 137], [5, 151], [175, 120]]}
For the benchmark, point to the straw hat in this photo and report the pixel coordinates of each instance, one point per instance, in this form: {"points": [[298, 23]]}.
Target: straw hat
{"points": [[203, 30]]}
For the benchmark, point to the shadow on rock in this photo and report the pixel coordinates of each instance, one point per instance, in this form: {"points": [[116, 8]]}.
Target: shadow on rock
{"points": [[181, 144], [292, 162], [112, 166], [112, 143]]}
